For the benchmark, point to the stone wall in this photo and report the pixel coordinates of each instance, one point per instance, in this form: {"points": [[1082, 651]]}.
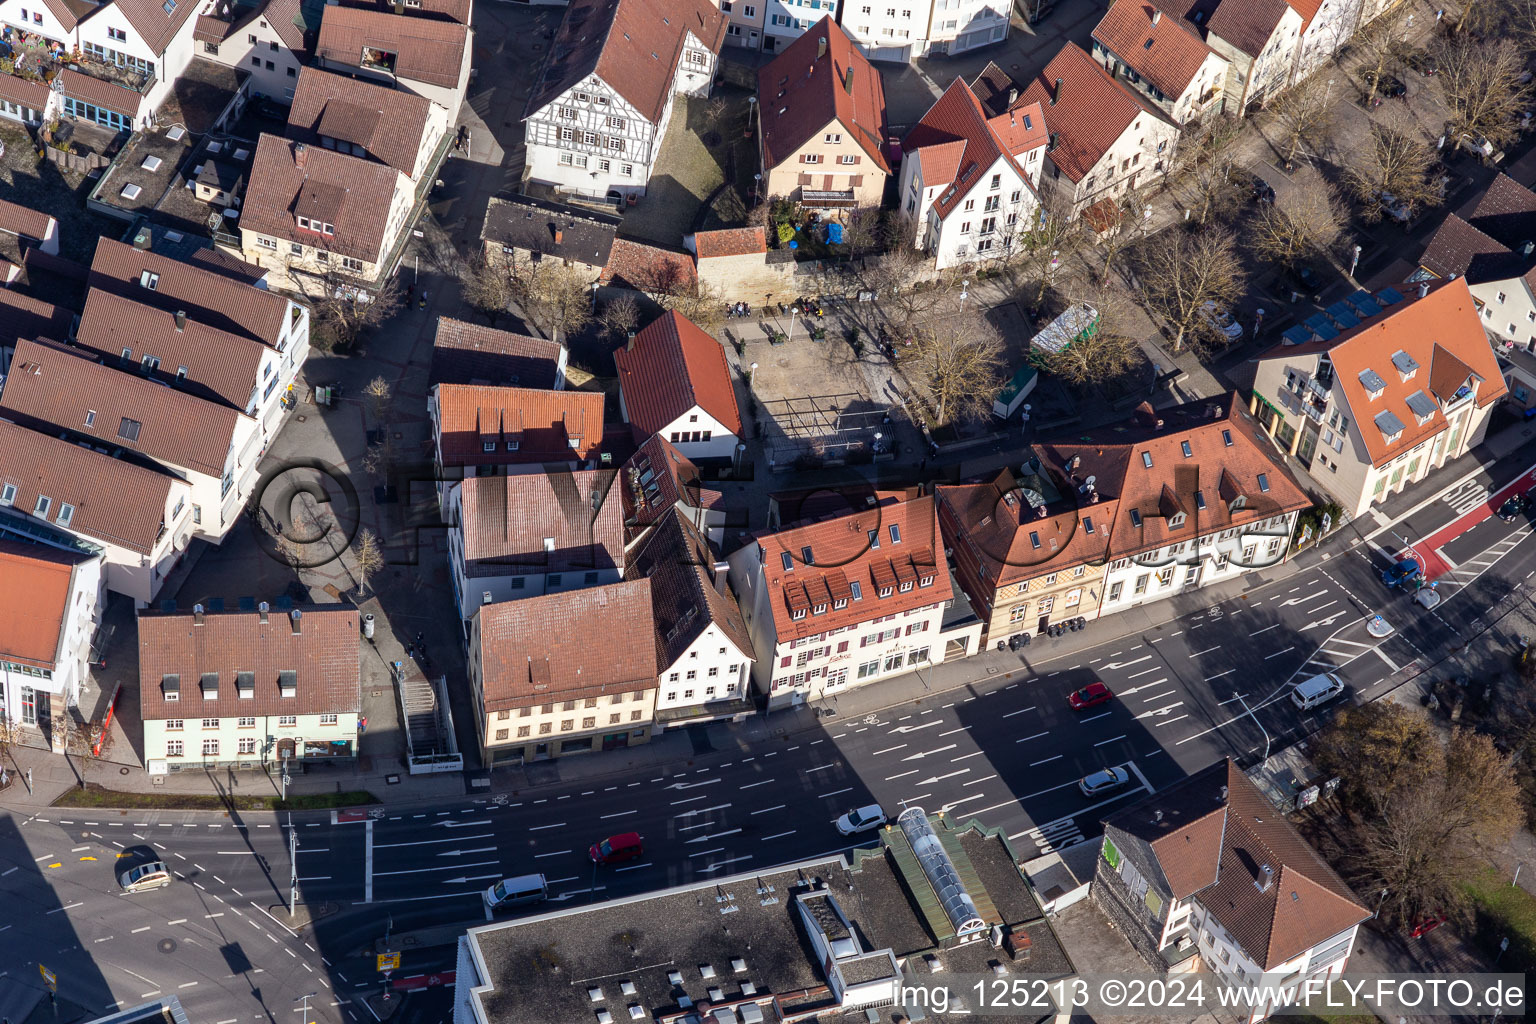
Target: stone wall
{"points": [[1128, 915]]}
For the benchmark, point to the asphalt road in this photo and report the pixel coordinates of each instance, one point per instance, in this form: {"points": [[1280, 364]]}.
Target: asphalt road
{"points": [[1006, 750]]}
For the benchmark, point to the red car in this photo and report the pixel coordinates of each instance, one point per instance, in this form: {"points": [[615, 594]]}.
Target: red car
{"points": [[1427, 925], [1089, 696], [617, 849]]}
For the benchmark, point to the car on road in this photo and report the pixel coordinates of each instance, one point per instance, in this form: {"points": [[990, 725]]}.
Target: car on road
{"points": [[1319, 689], [517, 892], [153, 875], [1220, 320], [617, 849], [1089, 696], [861, 819], [1103, 780], [1404, 573], [1514, 506]]}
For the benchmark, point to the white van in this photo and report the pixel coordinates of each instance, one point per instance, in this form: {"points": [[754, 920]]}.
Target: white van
{"points": [[515, 892], [1320, 689]]}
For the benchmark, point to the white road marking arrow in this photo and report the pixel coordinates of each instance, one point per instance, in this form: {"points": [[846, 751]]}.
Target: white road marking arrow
{"points": [[925, 753], [914, 728], [460, 853], [473, 878], [940, 778], [1330, 620], [1303, 600], [692, 785], [458, 824]]}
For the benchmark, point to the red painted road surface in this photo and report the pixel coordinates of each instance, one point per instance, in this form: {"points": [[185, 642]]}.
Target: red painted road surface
{"points": [[1428, 549]]}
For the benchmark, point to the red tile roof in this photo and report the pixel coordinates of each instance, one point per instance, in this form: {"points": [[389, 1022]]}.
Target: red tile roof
{"points": [[711, 245], [108, 95], [685, 598], [21, 220], [557, 521], [425, 50], [1212, 834], [648, 268], [965, 144], [1246, 24], [115, 501], [538, 650], [350, 193], [24, 93], [323, 655], [466, 353], [220, 366], [50, 386], [1021, 129], [842, 554], [389, 123], [35, 601], [657, 478], [635, 46], [69, 12], [673, 367], [1160, 47], [22, 316], [453, 10], [208, 296], [287, 19], [1441, 334], [801, 94], [542, 423], [1091, 113], [1144, 470], [153, 22]]}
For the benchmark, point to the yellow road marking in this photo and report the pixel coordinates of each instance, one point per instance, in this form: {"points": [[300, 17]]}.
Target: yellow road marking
{"points": [[87, 858]]}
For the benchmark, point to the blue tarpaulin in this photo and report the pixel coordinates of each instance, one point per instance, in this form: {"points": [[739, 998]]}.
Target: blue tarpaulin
{"points": [[835, 233]]}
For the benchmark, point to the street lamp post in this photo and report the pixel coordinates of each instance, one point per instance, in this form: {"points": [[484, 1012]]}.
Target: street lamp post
{"points": [[964, 291], [305, 1008], [293, 870], [1247, 711], [1379, 901], [1355, 262]]}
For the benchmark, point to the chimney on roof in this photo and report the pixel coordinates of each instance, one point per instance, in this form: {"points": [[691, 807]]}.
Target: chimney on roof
{"points": [[1056, 93], [1050, 146], [848, 82], [722, 571], [559, 235], [821, 48], [629, 343], [181, 320], [262, 610], [1423, 288], [141, 238], [293, 618], [300, 155], [1266, 878], [1527, 247], [197, 615], [1223, 794], [1157, 16], [1157, 815], [1013, 94]]}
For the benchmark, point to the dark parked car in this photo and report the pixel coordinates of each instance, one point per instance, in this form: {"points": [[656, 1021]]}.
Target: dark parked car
{"points": [[1263, 191], [1404, 574], [1303, 278], [1422, 61], [1387, 86], [1514, 506]]}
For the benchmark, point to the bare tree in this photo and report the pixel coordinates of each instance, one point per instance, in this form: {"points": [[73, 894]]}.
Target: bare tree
{"points": [[382, 458], [79, 743], [1039, 250], [1105, 353], [1377, 45], [1109, 243], [867, 231], [1395, 161], [1301, 225], [906, 296], [1303, 116], [10, 734], [956, 361], [437, 249], [1182, 274], [488, 286], [378, 394], [367, 558], [1480, 81], [697, 302], [558, 298], [620, 315], [341, 315], [1201, 178]]}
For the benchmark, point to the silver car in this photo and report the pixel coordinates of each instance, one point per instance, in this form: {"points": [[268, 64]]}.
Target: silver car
{"points": [[861, 819], [1103, 780], [153, 875]]}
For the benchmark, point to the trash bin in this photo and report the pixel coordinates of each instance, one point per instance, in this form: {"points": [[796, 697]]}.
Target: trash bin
{"points": [[368, 626]]}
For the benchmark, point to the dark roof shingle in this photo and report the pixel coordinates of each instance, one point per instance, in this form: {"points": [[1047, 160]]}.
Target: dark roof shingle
{"points": [[685, 600], [388, 123], [291, 180], [466, 353], [523, 523], [425, 50]]}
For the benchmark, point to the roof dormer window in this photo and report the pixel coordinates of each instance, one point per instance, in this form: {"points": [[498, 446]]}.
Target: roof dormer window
{"points": [[840, 603], [1176, 520], [905, 586], [1238, 502], [885, 591], [797, 614], [820, 609], [1406, 365]]}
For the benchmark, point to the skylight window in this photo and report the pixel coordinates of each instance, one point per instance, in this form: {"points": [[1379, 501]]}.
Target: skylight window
{"points": [[788, 560], [1226, 438], [874, 539], [1136, 518], [1188, 451], [1264, 481], [1088, 525], [895, 534], [128, 430], [1146, 459], [858, 591]]}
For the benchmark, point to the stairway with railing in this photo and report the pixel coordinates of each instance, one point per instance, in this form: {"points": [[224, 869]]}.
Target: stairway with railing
{"points": [[428, 724]]}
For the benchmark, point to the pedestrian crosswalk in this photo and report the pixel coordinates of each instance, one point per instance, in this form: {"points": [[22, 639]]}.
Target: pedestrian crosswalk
{"points": [[1056, 835]]}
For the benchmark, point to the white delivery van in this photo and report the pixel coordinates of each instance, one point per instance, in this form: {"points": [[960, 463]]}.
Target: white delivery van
{"points": [[1320, 689], [515, 892]]}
